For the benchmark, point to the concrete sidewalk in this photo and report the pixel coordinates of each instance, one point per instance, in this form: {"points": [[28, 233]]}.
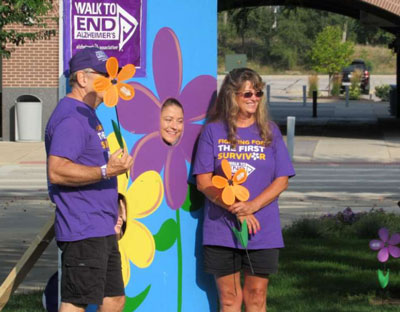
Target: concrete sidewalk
{"points": [[24, 210], [22, 153], [362, 133]]}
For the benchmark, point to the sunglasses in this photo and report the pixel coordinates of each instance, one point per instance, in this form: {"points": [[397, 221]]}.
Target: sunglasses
{"points": [[98, 73], [249, 94]]}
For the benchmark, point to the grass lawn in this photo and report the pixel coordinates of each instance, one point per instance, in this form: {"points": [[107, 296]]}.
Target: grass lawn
{"points": [[329, 275], [25, 303], [327, 266]]}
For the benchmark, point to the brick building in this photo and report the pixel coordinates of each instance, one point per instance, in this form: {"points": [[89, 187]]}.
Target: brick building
{"points": [[32, 69]]}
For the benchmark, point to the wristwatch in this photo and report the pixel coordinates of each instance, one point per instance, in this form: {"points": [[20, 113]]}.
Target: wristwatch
{"points": [[104, 172]]}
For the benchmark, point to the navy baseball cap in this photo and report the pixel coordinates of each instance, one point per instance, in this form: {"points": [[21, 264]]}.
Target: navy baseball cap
{"points": [[89, 58]]}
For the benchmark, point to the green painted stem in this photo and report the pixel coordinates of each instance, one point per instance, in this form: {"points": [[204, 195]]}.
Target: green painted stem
{"points": [[179, 249]]}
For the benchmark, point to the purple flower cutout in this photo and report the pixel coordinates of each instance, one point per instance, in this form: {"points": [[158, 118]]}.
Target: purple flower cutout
{"points": [[386, 245], [142, 115]]}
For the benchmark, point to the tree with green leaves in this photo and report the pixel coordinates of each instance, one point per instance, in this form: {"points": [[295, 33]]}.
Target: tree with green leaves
{"points": [[330, 54], [289, 40], [23, 12], [240, 19]]}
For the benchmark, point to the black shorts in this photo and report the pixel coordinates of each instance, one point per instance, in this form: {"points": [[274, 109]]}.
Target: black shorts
{"points": [[221, 261], [91, 270]]}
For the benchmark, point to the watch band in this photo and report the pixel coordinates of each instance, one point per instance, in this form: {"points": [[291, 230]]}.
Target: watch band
{"points": [[104, 172]]}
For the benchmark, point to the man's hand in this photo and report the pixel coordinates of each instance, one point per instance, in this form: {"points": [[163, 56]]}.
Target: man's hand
{"points": [[252, 223], [118, 164]]}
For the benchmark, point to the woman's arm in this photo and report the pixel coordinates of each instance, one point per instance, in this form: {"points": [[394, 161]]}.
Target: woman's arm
{"points": [[268, 195], [205, 186]]}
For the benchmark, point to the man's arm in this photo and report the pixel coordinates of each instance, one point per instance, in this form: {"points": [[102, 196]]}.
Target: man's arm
{"points": [[63, 171]]}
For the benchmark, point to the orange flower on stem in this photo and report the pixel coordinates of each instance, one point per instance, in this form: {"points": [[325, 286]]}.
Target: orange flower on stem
{"points": [[113, 85], [231, 185]]}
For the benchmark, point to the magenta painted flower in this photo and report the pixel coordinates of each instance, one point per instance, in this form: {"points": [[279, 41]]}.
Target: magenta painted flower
{"points": [[143, 116], [386, 245]]}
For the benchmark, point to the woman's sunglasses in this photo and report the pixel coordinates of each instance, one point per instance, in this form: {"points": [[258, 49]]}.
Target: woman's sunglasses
{"points": [[249, 94]]}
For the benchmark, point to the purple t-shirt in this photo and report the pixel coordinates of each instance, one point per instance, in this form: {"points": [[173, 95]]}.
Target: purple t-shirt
{"points": [[74, 132], [263, 166]]}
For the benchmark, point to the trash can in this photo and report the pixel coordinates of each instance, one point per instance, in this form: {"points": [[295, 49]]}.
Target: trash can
{"points": [[393, 100], [235, 61], [28, 118]]}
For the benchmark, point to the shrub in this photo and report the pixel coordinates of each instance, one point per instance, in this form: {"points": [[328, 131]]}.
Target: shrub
{"points": [[355, 90], [305, 228], [336, 83], [346, 223], [371, 222], [312, 84], [383, 92]]}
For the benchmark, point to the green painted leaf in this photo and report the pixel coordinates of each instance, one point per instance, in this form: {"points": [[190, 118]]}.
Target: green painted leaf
{"points": [[166, 235], [243, 235], [237, 234], [383, 279], [132, 303], [117, 134], [194, 199]]}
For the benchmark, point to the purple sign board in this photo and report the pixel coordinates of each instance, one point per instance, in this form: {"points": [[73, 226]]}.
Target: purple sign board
{"points": [[115, 26]]}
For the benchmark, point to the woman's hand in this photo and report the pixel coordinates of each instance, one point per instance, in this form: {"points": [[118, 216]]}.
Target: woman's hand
{"points": [[243, 208], [252, 223]]}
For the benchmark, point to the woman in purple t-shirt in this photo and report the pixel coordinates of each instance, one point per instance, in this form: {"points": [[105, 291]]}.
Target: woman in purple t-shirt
{"points": [[238, 130]]}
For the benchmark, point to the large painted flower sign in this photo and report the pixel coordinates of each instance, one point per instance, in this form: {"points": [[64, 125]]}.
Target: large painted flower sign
{"points": [[142, 116]]}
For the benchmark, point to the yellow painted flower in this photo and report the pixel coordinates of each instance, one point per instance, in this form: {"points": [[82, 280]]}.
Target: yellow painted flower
{"points": [[137, 244], [143, 197], [113, 85], [123, 179]]}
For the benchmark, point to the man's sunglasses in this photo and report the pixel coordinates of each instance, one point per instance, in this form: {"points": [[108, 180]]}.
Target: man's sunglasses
{"points": [[96, 72], [249, 94]]}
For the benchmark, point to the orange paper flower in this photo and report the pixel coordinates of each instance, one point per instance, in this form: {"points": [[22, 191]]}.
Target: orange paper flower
{"points": [[231, 186], [112, 85]]}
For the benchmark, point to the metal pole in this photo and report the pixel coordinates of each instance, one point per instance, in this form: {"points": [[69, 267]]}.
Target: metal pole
{"points": [[62, 91], [396, 105], [347, 96], [268, 94], [266, 100], [59, 269], [62, 81], [291, 123], [304, 95], [314, 104]]}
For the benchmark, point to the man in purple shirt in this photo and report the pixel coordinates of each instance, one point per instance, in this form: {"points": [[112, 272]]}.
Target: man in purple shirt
{"points": [[83, 185]]}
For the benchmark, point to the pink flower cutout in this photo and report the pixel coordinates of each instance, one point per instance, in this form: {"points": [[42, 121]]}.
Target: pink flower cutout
{"points": [[386, 245], [141, 115]]}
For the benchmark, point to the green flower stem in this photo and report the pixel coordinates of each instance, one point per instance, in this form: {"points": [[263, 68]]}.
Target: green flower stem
{"points": [[116, 113], [179, 249], [248, 257], [119, 128]]}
